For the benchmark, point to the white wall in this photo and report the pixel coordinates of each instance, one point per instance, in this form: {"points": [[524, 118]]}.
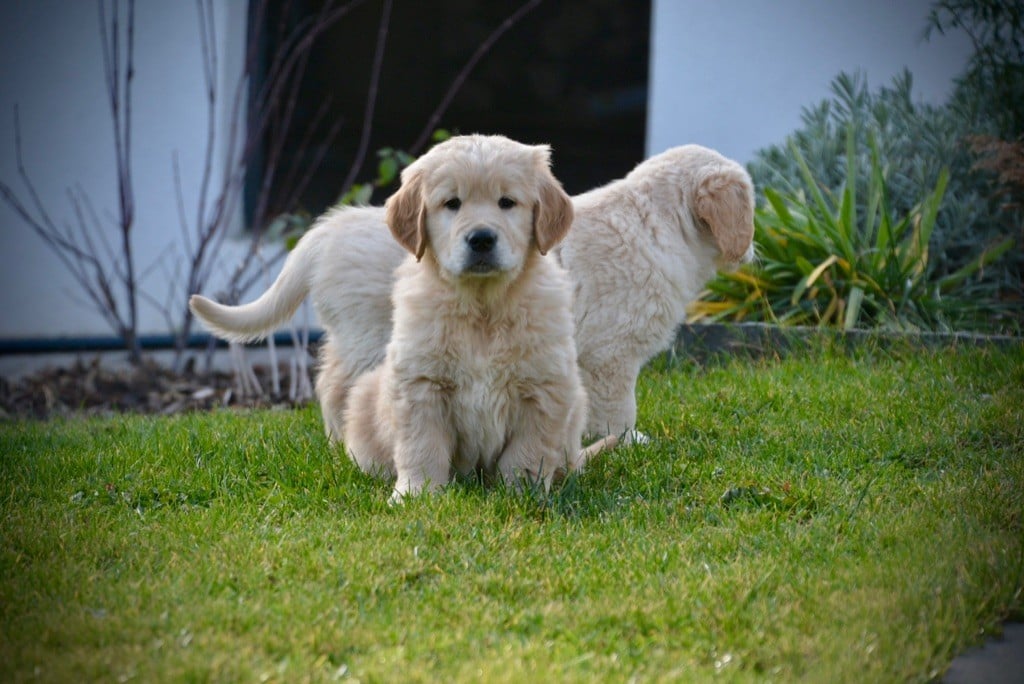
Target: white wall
{"points": [[734, 74], [51, 67]]}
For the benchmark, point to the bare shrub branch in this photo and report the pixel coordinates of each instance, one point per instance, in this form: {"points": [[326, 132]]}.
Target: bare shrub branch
{"points": [[467, 69]]}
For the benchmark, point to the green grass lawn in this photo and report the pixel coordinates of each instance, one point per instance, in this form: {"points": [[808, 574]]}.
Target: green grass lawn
{"points": [[827, 517]]}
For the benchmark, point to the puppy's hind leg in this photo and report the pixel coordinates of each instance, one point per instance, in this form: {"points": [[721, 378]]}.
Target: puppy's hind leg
{"points": [[367, 426], [611, 388], [334, 383]]}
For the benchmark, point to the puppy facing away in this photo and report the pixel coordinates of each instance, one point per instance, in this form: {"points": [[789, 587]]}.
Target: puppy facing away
{"points": [[480, 370], [640, 251], [346, 264]]}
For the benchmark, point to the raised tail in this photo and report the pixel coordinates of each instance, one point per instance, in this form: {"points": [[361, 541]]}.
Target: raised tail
{"points": [[253, 321]]}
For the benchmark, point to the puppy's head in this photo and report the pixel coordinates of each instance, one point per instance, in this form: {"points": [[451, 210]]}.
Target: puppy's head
{"points": [[715, 195], [723, 202], [480, 205]]}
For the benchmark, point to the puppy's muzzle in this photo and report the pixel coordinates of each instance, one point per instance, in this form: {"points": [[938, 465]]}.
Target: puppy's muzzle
{"points": [[482, 257]]}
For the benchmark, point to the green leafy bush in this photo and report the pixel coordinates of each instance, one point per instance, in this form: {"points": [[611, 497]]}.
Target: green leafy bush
{"points": [[391, 163], [863, 158], [856, 139], [847, 258], [915, 143], [994, 79]]}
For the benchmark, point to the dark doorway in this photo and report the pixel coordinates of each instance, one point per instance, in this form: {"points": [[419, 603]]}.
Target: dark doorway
{"points": [[572, 73]]}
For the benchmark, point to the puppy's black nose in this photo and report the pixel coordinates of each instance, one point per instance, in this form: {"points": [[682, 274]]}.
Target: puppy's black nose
{"points": [[481, 240]]}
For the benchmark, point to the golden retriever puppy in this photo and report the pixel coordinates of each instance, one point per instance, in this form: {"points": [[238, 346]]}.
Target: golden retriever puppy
{"points": [[640, 250], [480, 370]]}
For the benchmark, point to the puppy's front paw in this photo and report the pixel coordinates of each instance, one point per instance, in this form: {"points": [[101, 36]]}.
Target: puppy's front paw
{"points": [[407, 489], [404, 490]]}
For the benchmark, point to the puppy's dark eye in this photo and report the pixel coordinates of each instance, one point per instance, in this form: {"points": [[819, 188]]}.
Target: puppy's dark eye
{"points": [[506, 203], [454, 203]]}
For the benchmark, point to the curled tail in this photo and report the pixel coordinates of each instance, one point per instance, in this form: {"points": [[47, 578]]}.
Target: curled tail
{"points": [[252, 321]]}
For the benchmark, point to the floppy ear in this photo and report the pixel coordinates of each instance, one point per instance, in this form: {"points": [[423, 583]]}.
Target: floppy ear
{"points": [[406, 213], [553, 213], [724, 200]]}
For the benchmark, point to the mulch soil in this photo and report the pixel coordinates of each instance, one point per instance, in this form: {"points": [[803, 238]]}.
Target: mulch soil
{"points": [[89, 388]]}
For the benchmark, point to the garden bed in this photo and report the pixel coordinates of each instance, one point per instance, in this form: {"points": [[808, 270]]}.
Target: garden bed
{"points": [[103, 383], [758, 340]]}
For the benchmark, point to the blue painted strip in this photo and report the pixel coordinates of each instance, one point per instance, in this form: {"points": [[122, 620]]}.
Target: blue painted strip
{"points": [[46, 345]]}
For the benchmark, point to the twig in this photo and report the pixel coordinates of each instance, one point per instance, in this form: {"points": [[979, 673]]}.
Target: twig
{"points": [[179, 197], [371, 97], [246, 382], [78, 261], [121, 115], [309, 169], [461, 77], [244, 285], [217, 205], [108, 250], [278, 143]]}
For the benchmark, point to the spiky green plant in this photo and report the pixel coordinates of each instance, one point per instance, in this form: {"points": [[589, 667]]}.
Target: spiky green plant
{"points": [[914, 142], [839, 260]]}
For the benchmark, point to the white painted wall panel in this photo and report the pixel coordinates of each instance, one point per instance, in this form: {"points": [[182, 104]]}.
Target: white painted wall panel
{"points": [[51, 67], [734, 74]]}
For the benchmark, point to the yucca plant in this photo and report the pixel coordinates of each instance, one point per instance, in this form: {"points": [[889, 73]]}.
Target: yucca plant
{"points": [[915, 141], [829, 260]]}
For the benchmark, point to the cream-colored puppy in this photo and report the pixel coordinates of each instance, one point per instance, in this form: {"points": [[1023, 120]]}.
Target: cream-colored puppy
{"points": [[346, 264], [480, 372], [640, 251]]}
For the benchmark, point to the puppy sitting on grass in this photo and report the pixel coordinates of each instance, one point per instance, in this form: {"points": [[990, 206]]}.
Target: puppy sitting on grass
{"points": [[480, 371]]}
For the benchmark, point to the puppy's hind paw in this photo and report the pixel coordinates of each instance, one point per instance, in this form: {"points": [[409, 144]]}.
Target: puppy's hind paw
{"points": [[634, 436]]}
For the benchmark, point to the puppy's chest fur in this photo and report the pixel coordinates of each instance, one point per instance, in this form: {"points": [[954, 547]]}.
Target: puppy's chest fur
{"points": [[483, 380], [485, 365]]}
